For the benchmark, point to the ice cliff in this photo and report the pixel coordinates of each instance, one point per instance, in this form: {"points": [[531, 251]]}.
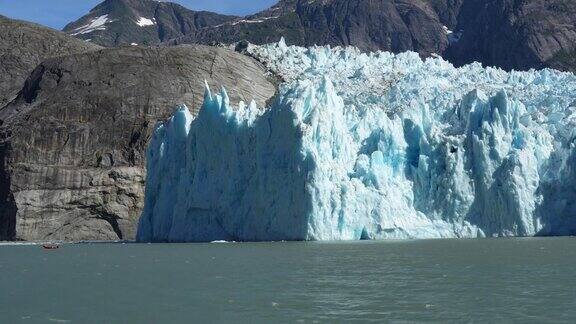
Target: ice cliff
{"points": [[369, 146]]}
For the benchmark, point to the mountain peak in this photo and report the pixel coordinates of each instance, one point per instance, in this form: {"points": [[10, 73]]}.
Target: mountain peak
{"points": [[140, 22]]}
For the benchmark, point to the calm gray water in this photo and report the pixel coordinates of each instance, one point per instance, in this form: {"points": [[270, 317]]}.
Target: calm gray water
{"points": [[508, 280]]}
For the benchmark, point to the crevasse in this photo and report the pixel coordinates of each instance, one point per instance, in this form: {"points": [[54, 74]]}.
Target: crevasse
{"points": [[369, 146]]}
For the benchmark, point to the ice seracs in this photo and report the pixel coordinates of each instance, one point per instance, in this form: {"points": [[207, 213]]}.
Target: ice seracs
{"points": [[369, 146]]}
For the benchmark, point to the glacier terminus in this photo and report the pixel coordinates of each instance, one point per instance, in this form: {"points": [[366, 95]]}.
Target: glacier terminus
{"points": [[368, 146]]}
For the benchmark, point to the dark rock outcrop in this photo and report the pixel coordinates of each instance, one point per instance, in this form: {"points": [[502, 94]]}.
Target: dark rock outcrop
{"points": [[72, 145], [23, 46], [517, 34], [395, 26], [143, 22]]}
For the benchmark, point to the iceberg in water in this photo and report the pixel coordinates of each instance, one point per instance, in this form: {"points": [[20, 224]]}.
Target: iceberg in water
{"points": [[369, 146]]}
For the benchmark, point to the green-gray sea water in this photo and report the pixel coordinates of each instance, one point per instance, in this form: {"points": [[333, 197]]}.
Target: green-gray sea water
{"points": [[491, 280]]}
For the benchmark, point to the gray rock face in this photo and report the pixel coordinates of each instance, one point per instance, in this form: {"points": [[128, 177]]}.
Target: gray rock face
{"points": [[517, 34], [72, 145], [23, 46], [143, 22]]}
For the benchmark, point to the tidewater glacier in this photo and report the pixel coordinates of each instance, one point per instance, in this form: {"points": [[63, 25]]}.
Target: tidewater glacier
{"points": [[369, 146]]}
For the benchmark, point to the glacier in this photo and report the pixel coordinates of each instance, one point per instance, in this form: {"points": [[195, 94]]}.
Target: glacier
{"points": [[368, 146]]}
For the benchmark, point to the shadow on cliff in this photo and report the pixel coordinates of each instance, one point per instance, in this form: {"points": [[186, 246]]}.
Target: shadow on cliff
{"points": [[7, 204]]}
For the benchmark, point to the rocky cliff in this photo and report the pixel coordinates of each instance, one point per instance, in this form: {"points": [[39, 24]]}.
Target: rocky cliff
{"points": [[23, 46], [73, 142]]}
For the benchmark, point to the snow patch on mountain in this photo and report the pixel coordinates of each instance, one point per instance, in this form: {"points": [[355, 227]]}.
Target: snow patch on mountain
{"points": [[246, 21], [253, 21], [144, 22], [369, 146], [95, 24]]}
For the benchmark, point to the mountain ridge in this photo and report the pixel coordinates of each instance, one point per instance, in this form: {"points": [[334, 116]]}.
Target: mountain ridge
{"points": [[510, 34]]}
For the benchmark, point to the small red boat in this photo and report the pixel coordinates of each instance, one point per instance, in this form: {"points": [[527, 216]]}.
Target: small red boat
{"points": [[50, 246]]}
